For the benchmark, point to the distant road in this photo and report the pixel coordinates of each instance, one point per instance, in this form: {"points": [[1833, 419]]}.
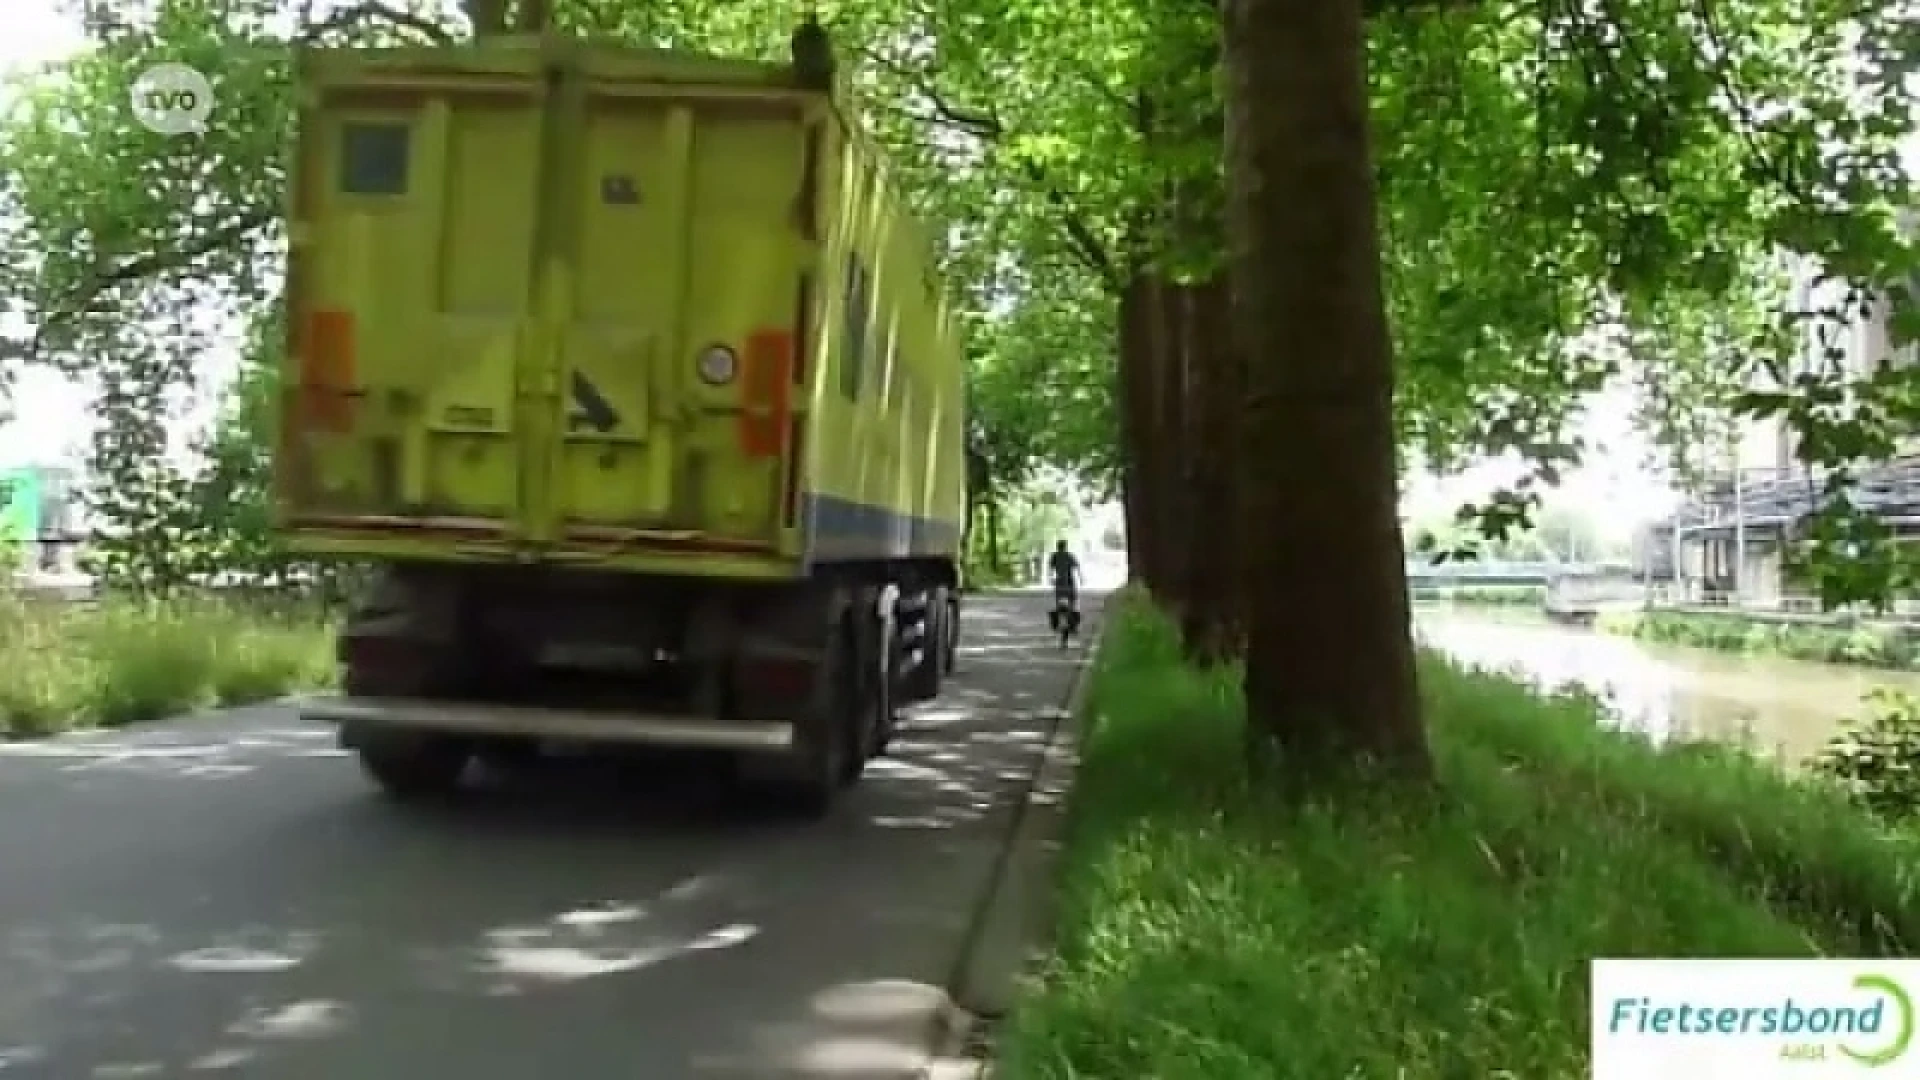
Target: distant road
{"points": [[1105, 570]]}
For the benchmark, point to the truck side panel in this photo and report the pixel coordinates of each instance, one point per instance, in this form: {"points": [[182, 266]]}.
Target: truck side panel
{"points": [[890, 485]]}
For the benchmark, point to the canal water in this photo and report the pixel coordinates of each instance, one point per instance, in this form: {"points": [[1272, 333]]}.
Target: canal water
{"points": [[1787, 708]]}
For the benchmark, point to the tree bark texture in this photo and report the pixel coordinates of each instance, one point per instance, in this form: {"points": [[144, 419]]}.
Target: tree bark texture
{"points": [[1211, 626], [1330, 662], [1133, 376], [1172, 451]]}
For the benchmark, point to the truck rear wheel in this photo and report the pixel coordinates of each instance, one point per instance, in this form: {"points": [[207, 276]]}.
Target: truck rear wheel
{"points": [[875, 718], [413, 767], [803, 781], [507, 755], [923, 682], [950, 634]]}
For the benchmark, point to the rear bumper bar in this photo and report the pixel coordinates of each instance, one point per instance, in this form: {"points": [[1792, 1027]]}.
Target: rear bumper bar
{"points": [[461, 718]]}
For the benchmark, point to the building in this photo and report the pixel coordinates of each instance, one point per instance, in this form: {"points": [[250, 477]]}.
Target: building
{"points": [[39, 510], [1726, 543]]}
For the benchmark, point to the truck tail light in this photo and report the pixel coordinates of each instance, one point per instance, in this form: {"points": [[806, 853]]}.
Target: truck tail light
{"points": [[325, 348], [767, 393]]}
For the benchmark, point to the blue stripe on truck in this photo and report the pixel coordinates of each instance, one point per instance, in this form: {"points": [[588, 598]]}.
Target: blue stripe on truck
{"points": [[838, 529]]}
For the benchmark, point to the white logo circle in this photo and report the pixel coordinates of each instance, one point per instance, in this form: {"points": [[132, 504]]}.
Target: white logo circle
{"points": [[172, 99]]}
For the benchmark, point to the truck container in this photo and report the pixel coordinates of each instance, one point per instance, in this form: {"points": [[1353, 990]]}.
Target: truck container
{"points": [[637, 382]]}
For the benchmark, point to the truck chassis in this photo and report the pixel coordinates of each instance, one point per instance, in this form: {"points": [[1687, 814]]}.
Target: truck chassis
{"points": [[798, 684]]}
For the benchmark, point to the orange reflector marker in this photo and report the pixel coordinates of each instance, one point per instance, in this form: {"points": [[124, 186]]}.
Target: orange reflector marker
{"points": [[327, 369], [767, 387]]}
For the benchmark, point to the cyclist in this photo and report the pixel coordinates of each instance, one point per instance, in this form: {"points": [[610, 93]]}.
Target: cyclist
{"points": [[1064, 569]]}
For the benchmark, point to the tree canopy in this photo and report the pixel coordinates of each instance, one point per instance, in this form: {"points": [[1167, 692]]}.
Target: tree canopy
{"points": [[1566, 192]]}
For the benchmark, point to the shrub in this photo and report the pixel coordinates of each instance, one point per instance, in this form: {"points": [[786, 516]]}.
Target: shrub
{"points": [[1840, 642], [1877, 761]]}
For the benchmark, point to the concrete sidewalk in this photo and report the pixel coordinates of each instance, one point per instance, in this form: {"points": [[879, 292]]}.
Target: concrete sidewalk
{"points": [[225, 896]]}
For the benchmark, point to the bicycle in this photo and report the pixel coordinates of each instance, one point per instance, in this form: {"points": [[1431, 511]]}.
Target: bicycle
{"points": [[1064, 618]]}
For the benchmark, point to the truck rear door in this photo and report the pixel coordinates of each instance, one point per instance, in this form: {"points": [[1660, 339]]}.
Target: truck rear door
{"points": [[548, 314], [689, 303]]}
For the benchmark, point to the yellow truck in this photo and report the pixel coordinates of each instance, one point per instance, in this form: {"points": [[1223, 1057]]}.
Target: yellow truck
{"points": [[639, 386]]}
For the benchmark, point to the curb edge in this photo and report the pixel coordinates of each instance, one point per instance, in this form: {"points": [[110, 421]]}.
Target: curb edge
{"points": [[954, 1023]]}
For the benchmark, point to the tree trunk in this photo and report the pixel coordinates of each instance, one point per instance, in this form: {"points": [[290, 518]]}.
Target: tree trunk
{"points": [[1212, 628], [1132, 381], [1330, 664], [994, 557], [488, 17], [1173, 504]]}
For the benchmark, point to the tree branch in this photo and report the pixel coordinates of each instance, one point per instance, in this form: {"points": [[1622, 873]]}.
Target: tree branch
{"points": [[984, 124], [1085, 242], [1748, 124], [137, 268], [980, 123], [372, 10]]}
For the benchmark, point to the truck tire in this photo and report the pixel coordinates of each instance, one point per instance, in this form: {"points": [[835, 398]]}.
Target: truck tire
{"points": [[923, 682], [507, 756], [414, 767], [950, 636], [876, 717], [803, 781]]}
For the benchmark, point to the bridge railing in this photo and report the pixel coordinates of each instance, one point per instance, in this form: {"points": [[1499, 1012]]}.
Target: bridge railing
{"points": [[1575, 591]]}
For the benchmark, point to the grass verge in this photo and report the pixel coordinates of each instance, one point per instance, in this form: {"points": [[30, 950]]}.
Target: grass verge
{"points": [[1210, 930], [1863, 645], [1495, 596], [66, 666]]}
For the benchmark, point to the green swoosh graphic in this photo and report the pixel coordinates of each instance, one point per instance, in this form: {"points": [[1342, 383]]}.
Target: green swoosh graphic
{"points": [[1904, 1032]]}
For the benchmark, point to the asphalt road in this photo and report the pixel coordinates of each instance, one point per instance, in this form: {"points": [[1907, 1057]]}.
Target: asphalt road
{"points": [[226, 896]]}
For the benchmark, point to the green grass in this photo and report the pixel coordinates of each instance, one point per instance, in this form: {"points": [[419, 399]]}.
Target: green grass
{"points": [[65, 666], [1870, 646], [1209, 929]]}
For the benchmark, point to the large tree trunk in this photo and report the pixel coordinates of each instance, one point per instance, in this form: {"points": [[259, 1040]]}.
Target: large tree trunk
{"points": [[1330, 665], [1173, 506], [1132, 380], [1211, 625]]}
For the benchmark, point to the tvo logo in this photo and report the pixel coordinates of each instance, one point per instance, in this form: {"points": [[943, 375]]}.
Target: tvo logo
{"points": [[172, 99]]}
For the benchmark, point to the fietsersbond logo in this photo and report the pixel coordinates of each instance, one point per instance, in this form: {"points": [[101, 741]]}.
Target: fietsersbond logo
{"points": [[1754, 1018]]}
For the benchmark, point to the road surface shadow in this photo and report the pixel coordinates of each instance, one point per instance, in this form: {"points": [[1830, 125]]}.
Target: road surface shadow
{"points": [[589, 920]]}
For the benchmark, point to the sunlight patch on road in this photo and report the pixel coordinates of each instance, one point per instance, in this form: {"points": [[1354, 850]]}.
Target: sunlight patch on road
{"points": [[515, 956], [294, 1020], [113, 752], [933, 719], [20, 1056], [288, 954], [867, 1056], [595, 919], [876, 1000], [222, 1060]]}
